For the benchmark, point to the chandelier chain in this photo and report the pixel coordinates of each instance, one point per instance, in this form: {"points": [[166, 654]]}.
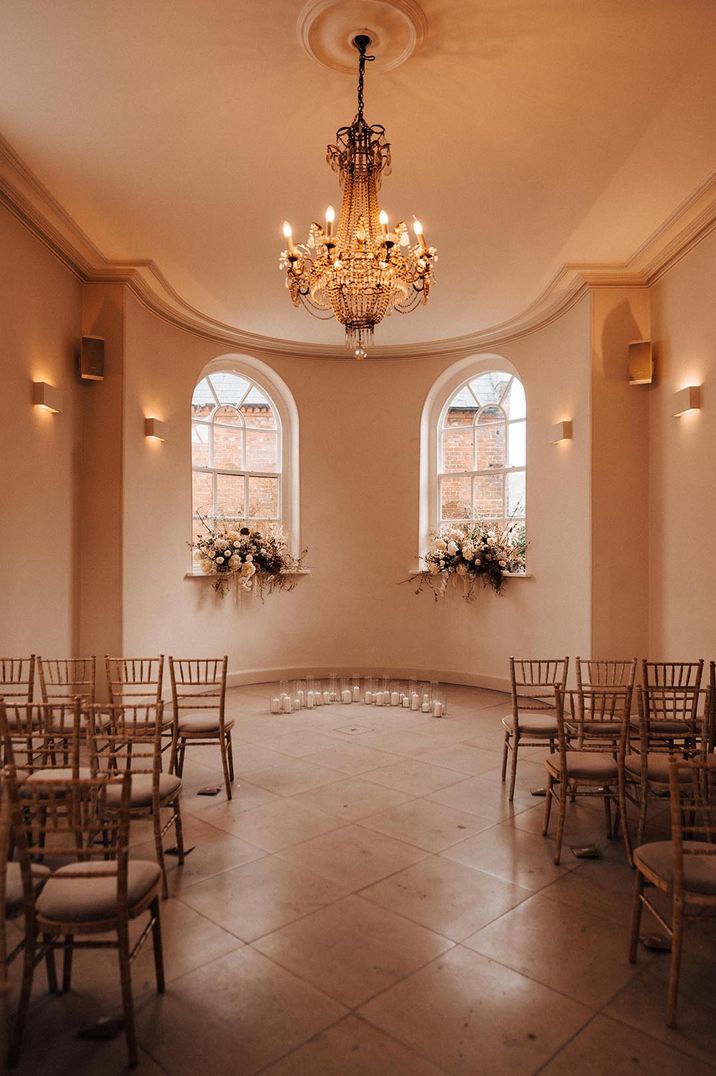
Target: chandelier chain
{"points": [[361, 44]]}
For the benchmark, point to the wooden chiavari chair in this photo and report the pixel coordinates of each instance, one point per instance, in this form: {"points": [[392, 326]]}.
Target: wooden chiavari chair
{"points": [[684, 867], [98, 891], [588, 762], [64, 679], [17, 682], [669, 724], [20, 882], [199, 698], [600, 674], [128, 739], [533, 722], [134, 680]]}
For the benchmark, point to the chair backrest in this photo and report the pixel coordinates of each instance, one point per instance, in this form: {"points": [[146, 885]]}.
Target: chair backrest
{"points": [[667, 714], [592, 673], [17, 680], [36, 737], [532, 681], [601, 714], [692, 789], [71, 818], [199, 684], [62, 679], [134, 680], [127, 738]]}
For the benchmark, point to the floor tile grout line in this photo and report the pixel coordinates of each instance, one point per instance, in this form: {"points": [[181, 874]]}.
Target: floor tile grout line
{"points": [[564, 1045], [660, 1042]]}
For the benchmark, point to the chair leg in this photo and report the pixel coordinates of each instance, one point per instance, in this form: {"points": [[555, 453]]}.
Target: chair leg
{"points": [[159, 849], [230, 752], [513, 767], [225, 766], [179, 830], [28, 968], [548, 804], [157, 944], [625, 822], [180, 759], [677, 937], [636, 917], [560, 821], [67, 963], [608, 814], [50, 968], [643, 805], [505, 751], [125, 977]]}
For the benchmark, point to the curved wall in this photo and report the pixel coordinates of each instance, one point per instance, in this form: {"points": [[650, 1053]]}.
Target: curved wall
{"points": [[360, 464]]}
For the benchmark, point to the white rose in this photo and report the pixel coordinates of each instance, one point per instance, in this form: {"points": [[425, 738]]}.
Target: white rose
{"points": [[439, 544], [219, 560], [468, 552], [247, 570], [490, 541], [249, 557], [478, 562], [502, 563], [452, 549], [237, 543]]}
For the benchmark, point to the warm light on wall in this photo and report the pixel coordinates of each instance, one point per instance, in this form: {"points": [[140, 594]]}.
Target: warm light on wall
{"points": [[156, 429], [46, 396], [561, 431], [688, 399]]}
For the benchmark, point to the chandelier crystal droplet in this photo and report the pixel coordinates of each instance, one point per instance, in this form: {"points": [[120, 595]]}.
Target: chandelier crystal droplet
{"points": [[362, 269]]}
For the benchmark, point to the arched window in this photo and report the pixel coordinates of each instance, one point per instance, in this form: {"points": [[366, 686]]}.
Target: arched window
{"points": [[481, 451], [244, 454]]}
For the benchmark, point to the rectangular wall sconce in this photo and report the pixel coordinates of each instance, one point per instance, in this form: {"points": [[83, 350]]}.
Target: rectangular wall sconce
{"points": [[641, 363], [47, 396], [156, 429], [561, 431], [688, 399]]}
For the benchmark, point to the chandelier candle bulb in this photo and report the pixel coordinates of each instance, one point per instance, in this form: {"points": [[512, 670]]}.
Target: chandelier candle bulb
{"points": [[383, 217], [418, 229], [330, 217], [288, 235]]}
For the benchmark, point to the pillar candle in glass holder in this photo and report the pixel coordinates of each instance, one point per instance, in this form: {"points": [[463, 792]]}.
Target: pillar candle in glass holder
{"points": [[356, 692], [380, 698], [368, 698], [415, 701], [276, 705], [333, 687], [394, 698], [326, 697], [425, 706], [437, 708], [346, 695], [405, 702], [286, 704], [309, 699]]}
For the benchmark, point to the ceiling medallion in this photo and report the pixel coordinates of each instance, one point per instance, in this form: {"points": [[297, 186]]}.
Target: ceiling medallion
{"points": [[364, 269], [326, 30]]}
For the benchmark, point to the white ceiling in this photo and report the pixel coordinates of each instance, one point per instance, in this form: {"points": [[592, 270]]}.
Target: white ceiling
{"points": [[525, 134]]}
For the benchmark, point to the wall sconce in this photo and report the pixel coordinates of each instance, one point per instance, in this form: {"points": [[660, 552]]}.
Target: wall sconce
{"points": [[47, 396], [561, 431], [641, 363], [156, 429], [688, 399]]}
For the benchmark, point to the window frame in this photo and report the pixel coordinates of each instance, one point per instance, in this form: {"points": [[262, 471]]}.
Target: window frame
{"points": [[435, 406], [477, 472], [265, 379]]}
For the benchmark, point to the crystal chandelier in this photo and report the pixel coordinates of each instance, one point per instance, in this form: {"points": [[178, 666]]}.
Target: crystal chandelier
{"points": [[364, 269]]}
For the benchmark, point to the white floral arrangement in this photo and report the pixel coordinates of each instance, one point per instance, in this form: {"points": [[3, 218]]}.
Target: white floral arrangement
{"points": [[249, 558], [476, 554]]}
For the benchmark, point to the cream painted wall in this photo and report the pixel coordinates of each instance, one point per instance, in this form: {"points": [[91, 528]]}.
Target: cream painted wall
{"points": [[39, 334], [359, 497], [682, 585], [620, 482]]}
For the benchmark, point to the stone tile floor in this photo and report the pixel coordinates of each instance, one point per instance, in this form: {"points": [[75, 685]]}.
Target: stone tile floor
{"points": [[369, 904]]}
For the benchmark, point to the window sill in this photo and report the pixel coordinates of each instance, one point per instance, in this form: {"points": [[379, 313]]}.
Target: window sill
{"points": [[198, 574], [415, 572]]}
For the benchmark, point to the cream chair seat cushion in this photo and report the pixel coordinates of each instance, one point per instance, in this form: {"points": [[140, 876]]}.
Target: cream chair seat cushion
{"points": [[141, 789], [62, 773], [657, 767], [84, 900], [699, 870], [536, 723], [588, 765], [206, 723], [13, 884]]}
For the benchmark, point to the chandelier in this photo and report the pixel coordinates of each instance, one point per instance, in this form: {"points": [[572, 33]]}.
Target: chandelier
{"points": [[364, 269]]}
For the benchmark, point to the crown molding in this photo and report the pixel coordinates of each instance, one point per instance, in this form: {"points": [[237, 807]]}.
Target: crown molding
{"points": [[30, 201]]}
